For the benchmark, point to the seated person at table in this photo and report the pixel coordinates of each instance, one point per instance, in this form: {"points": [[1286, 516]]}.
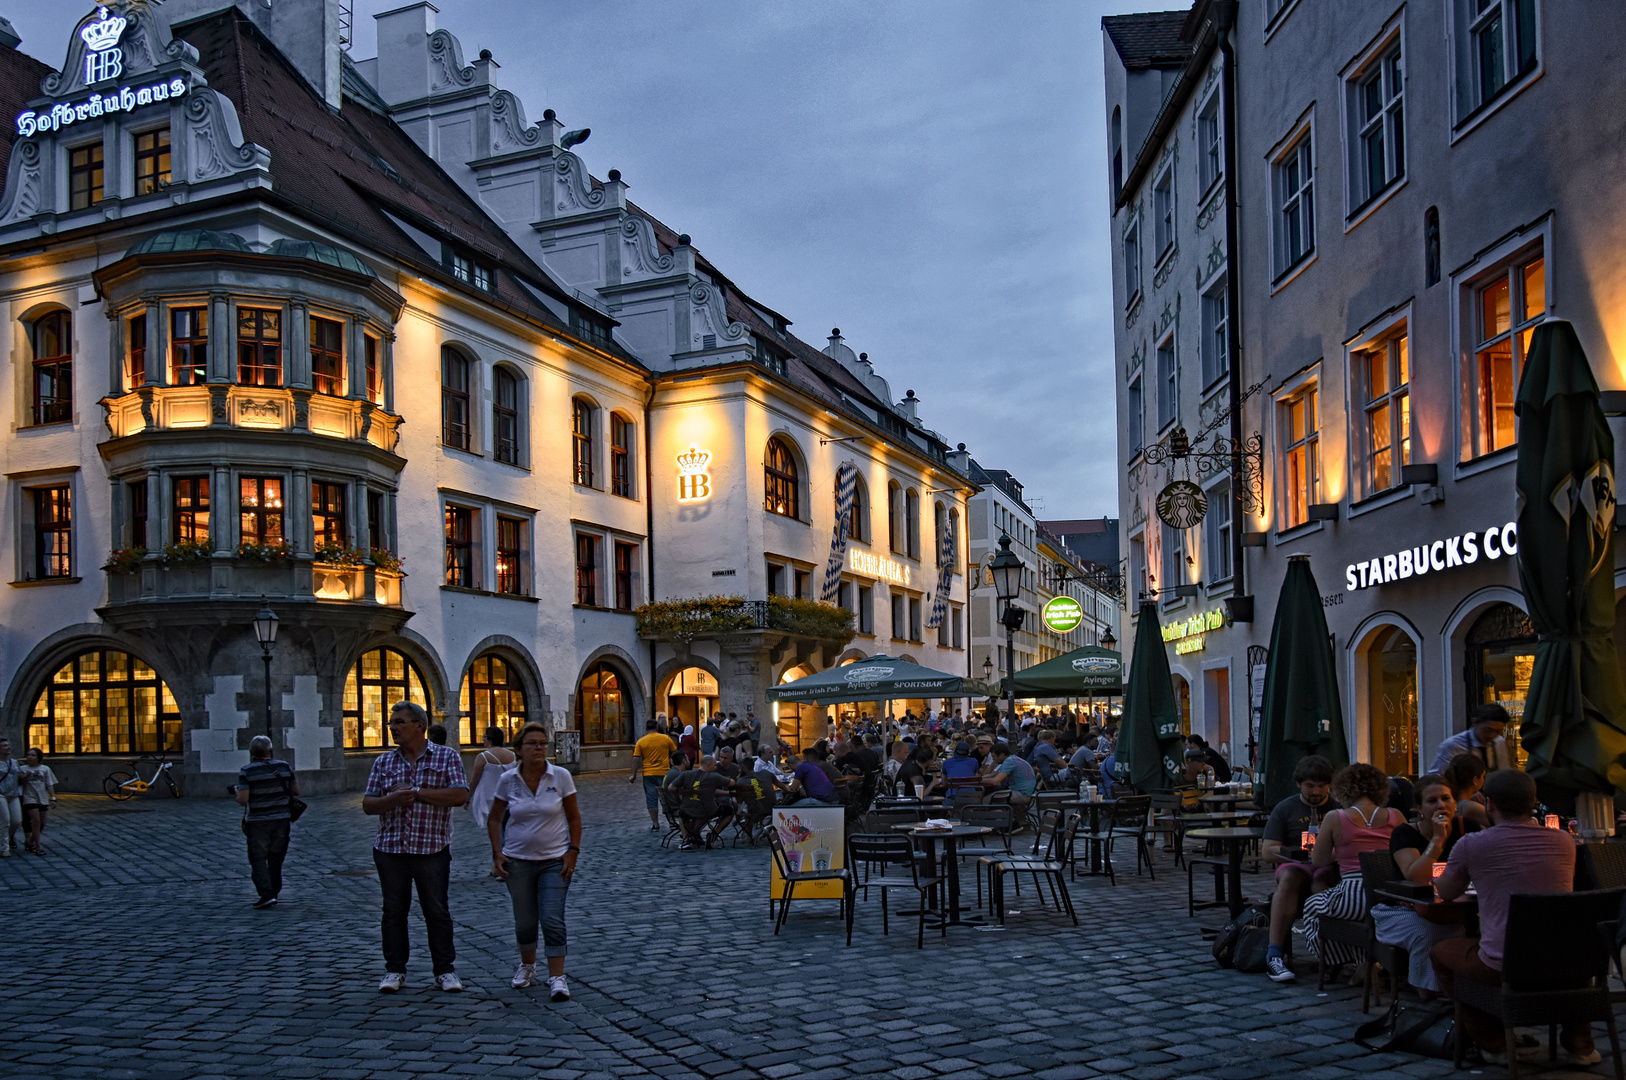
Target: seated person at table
{"points": [[765, 765], [1283, 847], [1215, 759], [1515, 855], [1109, 774], [899, 752], [810, 785], [1012, 774], [671, 797], [856, 758], [1417, 849], [911, 780], [1088, 755], [1047, 760], [959, 765], [1196, 768], [1466, 774], [703, 802], [725, 762], [1365, 823]]}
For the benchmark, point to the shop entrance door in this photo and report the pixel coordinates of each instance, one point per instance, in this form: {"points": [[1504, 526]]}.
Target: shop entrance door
{"points": [[1501, 648]]}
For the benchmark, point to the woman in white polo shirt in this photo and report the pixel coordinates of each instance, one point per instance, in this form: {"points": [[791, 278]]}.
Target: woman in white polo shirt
{"points": [[537, 854]]}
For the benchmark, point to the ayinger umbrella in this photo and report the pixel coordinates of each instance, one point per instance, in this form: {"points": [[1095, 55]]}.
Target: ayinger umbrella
{"points": [[1576, 704], [1301, 714], [1150, 732]]}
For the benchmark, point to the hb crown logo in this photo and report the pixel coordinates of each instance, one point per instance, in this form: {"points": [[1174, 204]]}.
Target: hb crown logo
{"points": [[694, 483], [105, 60]]}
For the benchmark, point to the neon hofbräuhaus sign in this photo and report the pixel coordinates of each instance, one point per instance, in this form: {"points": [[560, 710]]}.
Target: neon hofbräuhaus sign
{"points": [[104, 62]]}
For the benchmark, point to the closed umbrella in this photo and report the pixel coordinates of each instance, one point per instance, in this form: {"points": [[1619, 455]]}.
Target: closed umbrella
{"points": [[1301, 715], [1149, 734], [1576, 703]]}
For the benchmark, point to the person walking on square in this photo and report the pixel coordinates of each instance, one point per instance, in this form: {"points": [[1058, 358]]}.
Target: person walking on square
{"points": [[489, 765], [412, 790], [38, 794], [537, 855], [11, 800], [651, 757], [263, 787]]}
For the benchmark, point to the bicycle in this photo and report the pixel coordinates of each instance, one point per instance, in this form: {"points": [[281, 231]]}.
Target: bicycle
{"points": [[121, 784]]}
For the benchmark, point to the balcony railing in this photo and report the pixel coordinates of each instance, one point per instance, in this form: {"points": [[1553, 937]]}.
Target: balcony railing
{"points": [[685, 620]]}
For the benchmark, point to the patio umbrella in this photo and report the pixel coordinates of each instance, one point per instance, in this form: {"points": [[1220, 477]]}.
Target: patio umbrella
{"points": [[1576, 703], [1301, 715], [1150, 730], [877, 678], [1090, 670]]}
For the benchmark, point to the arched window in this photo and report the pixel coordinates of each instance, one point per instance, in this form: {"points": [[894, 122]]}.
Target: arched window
{"points": [[858, 521], [911, 502], [954, 539], [505, 417], [780, 480], [1117, 136], [105, 702], [894, 516], [52, 339], [492, 697], [454, 398], [602, 715], [620, 456], [581, 441], [939, 528], [380, 678]]}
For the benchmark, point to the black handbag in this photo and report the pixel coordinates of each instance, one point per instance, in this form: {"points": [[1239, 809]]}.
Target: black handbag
{"points": [[296, 805], [1226, 941], [1429, 1030]]}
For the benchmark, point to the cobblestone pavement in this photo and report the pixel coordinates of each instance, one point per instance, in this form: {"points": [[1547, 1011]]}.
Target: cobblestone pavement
{"points": [[132, 952]]}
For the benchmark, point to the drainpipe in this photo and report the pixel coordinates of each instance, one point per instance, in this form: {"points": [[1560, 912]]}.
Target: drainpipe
{"points": [[649, 540], [1224, 23]]}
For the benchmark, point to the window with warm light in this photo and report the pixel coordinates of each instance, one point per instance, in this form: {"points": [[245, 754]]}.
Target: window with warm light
{"points": [[459, 529], [53, 532], [189, 509], [603, 714], [620, 456], [105, 702], [780, 480], [583, 418], [259, 507], [1301, 463], [86, 177], [1383, 432], [328, 516], [492, 697], [371, 368], [188, 346], [378, 680], [1507, 308], [259, 347], [327, 356], [52, 339], [135, 366], [510, 552]]}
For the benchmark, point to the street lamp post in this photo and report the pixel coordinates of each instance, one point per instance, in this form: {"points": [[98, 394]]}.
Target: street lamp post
{"points": [[265, 632], [1007, 571], [1109, 643]]}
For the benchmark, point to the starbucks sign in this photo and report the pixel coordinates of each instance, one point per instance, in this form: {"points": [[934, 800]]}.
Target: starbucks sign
{"points": [[1063, 614]]}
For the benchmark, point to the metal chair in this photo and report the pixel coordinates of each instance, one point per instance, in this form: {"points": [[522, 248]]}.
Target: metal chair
{"points": [[794, 877], [1554, 969], [1048, 869], [888, 851], [1001, 819], [1129, 821]]}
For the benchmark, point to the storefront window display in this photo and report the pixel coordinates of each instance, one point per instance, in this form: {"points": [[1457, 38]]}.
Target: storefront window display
{"points": [[1391, 667], [1501, 649]]}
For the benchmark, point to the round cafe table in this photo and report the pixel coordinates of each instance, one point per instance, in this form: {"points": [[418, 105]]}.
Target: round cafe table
{"points": [[949, 838], [1234, 839], [1223, 801]]}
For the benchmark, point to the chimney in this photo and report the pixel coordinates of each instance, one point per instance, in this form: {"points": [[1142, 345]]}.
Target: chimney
{"points": [[403, 52], [959, 459], [909, 408]]}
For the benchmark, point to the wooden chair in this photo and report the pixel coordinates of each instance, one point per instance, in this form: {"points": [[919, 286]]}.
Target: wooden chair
{"points": [[794, 877]]}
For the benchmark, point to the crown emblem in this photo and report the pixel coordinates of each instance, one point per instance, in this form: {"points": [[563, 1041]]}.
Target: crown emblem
{"points": [[693, 463], [104, 33]]}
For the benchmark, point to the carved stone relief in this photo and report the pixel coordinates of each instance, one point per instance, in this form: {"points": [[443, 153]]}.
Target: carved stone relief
{"points": [[641, 254], [574, 190], [446, 60]]}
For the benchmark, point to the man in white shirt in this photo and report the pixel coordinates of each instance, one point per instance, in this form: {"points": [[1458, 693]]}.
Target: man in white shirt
{"points": [[1483, 739]]}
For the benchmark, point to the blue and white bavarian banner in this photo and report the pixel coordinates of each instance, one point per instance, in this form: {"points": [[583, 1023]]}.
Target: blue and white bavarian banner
{"points": [[945, 578], [846, 489]]}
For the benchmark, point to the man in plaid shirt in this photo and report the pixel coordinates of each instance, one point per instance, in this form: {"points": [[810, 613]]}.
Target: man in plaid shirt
{"points": [[412, 789]]}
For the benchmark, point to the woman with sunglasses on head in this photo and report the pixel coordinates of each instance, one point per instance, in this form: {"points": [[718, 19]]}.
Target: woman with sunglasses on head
{"points": [[537, 854]]}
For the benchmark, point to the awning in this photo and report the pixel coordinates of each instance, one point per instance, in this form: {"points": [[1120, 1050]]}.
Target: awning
{"points": [[1080, 673]]}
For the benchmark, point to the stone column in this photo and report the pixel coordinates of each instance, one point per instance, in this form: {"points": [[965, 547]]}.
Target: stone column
{"points": [[746, 670]]}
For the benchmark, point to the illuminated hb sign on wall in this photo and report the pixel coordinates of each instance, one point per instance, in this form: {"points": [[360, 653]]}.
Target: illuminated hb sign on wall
{"points": [[877, 566], [694, 482], [1453, 551], [104, 61]]}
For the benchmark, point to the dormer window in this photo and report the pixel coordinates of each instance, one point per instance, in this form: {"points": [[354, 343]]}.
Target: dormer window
{"points": [[586, 325], [152, 161], [466, 270]]}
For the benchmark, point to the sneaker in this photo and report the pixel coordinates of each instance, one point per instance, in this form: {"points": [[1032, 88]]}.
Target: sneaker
{"points": [[1276, 967], [654, 828], [558, 988], [524, 976], [391, 982], [686, 846], [449, 982], [265, 902], [1573, 1057]]}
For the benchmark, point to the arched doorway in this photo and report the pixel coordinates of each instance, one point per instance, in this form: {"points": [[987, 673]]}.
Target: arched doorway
{"points": [[1391, 701], [800, 725], [1501, 652], [1182, 701], [492, 696], [603, 712], [377, 681], [104, 701], [691, 697]]}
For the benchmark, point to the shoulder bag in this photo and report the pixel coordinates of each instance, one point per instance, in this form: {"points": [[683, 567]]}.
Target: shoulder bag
{"points": [[296, 805]]}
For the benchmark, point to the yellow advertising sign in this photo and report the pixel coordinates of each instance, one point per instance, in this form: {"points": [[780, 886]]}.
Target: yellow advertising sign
{"points": [[814, 839]]}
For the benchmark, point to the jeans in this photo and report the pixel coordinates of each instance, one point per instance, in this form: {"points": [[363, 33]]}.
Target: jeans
{"points": [[11, 818], [432, 874], [652, 792], [267, 847], [539, 891]]}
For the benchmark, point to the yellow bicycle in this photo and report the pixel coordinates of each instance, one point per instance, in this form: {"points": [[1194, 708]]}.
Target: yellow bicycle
{"points": [[121, 784]]}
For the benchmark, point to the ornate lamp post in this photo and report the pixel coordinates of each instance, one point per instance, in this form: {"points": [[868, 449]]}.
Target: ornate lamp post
{"points": [[265, 632], [1007, 571]]}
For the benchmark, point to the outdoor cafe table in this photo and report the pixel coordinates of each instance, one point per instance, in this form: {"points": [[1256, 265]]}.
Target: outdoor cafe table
{"points": [[1094, 807], [950, 839], [1223, 801], [1234, 840]]}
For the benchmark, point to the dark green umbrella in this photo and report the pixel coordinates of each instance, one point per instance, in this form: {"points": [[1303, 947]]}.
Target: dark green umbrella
{"points": [[1301, 715], [1576, 704], [1149, 736], [877, 678], [1090, 670]]}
